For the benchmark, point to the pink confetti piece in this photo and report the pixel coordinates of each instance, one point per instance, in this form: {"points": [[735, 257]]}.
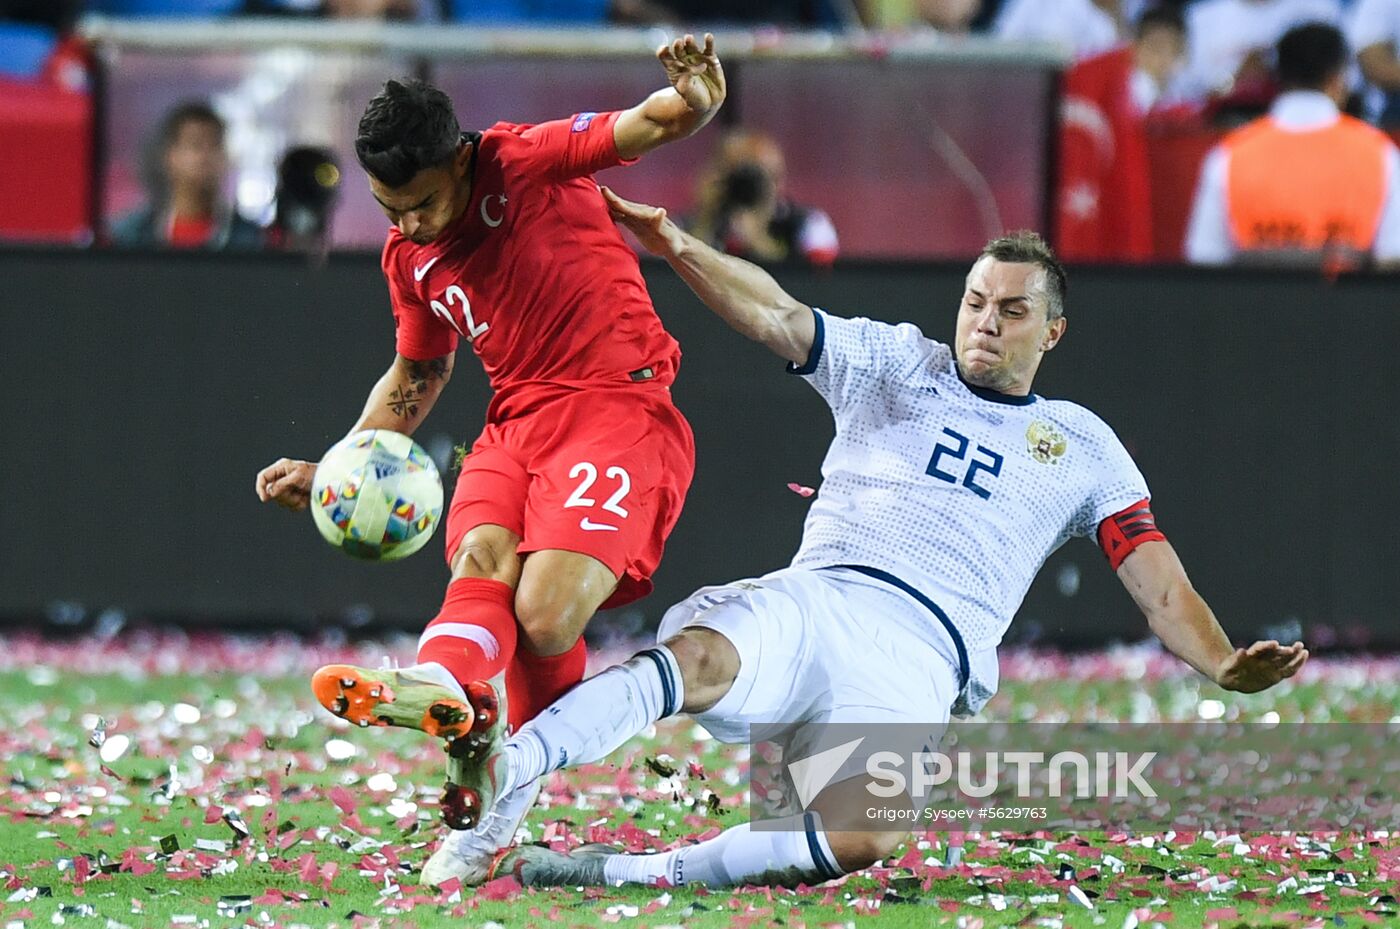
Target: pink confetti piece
{"points": [[800, 489], [502, 888], [141, 868], [306, 868], [342, 799]]}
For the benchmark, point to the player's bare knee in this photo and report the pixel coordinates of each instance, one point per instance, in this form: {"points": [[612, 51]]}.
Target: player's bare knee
{"points": [[551, 619], [546, 639], [709, 666], [487, 555], [558, 593]]}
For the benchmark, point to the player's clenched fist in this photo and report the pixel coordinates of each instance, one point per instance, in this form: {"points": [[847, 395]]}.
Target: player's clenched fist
{"points": [[287, 483], [695, 72]]}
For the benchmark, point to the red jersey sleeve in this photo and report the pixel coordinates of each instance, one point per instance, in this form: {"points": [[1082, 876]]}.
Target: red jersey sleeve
{"points": [[568, 148], [419, 334]]}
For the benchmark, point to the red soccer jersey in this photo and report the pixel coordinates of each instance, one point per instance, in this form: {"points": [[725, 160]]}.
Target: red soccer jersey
{"points": [[533, 274], [191, 233]]}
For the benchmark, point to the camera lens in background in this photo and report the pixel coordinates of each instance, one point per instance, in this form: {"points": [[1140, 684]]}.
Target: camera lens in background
{"points": [[746, 186], [307, 184]]}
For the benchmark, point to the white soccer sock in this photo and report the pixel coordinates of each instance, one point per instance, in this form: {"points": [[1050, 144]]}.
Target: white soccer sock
{"points": [[595, 718], [795, 853]]}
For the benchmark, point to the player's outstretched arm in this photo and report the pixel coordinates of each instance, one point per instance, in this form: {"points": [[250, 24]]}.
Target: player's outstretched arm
{"points": [[697, 90], [1184, 622], [741, 293], [399, 401]]}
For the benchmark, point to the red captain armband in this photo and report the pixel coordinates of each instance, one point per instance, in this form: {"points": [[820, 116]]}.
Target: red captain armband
{"points": [[1126, 530]]}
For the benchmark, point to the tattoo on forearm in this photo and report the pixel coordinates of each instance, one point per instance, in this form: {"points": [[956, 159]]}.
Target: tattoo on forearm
{"points": [[405, 399], [434, 369]]}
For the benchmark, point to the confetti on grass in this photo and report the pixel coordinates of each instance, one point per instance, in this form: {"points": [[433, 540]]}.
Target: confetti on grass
{"points": [[264, 819]]}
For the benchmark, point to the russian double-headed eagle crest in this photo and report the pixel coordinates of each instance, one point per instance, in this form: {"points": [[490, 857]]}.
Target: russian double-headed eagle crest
{"points": [[1045, 443]]}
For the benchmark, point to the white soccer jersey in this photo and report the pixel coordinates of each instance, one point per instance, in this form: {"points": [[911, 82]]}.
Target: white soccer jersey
{"points": [[955, 492]]}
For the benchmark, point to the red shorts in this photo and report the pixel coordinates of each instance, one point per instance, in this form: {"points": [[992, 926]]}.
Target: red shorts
{"points": [[600, 472]]}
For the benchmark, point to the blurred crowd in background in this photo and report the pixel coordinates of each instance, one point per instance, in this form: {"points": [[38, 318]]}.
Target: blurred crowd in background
{"points": [[1140, 168]]}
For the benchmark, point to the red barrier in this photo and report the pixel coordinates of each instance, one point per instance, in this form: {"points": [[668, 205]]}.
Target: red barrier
{"points": [[45, 162], [1175, 157]]}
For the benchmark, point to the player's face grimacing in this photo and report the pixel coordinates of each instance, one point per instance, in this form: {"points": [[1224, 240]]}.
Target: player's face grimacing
{"points": [[430, 201], [1002, 326]]}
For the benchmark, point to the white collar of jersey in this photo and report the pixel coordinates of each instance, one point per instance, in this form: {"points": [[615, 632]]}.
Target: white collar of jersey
{"points": [[1304, 110], [995, 396]]}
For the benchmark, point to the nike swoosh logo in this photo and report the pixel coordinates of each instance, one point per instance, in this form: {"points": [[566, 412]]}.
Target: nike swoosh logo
{"points": [[419, 272], [589, 525]]}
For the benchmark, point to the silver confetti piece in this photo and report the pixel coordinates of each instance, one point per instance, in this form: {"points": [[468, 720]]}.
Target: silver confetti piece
{"points": [[98, 734], [236, 823]]}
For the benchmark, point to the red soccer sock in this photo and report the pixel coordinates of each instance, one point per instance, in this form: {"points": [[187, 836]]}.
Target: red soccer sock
{"points": [[474, 634], [534, 682]]}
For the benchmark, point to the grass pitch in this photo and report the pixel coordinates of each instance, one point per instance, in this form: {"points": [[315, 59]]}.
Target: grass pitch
{"points": [[223, 796]]}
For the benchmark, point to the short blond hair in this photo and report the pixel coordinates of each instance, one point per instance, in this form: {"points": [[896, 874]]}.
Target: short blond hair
{"points": [[1027, 247]]}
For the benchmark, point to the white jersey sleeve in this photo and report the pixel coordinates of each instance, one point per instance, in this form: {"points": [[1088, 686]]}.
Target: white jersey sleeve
{"points": [[850, 357]]}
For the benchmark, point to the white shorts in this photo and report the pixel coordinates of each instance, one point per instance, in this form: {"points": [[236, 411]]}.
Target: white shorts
{"points": [[820, 645]]}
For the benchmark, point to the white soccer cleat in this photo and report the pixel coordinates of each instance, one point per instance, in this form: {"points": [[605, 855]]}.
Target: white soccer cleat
{"points": [[475, 764], [466, 854]]}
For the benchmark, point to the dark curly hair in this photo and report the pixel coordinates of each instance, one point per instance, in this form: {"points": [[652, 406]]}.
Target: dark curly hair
{"points": [[407, 127]]}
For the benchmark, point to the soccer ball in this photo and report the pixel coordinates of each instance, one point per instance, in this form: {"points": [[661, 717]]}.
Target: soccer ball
{"points": [[377, 495]]}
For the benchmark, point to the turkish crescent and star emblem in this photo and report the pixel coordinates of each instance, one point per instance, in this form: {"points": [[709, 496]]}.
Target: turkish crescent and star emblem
{"points": [[1045, 443], [499, 210]]}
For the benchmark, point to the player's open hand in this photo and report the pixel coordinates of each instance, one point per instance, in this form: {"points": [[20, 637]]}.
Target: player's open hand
{"points": [[695, 72], [1261, 666], [648, 223], [287, 483]]}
